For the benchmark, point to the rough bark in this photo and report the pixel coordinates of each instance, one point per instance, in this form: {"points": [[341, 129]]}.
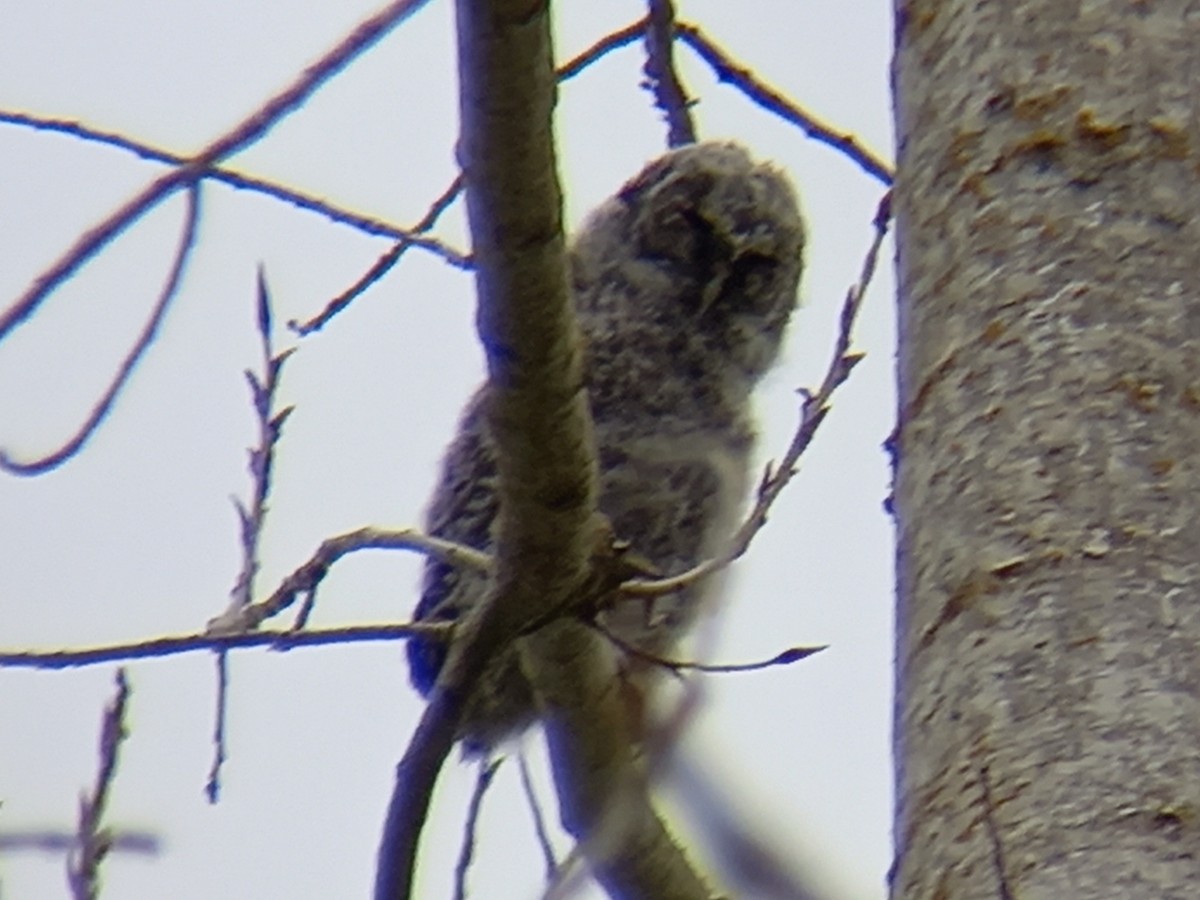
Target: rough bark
{"points": [[1048, 657]]}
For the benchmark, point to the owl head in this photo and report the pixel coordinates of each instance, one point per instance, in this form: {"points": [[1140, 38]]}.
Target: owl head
{"points": [[706, 240]]}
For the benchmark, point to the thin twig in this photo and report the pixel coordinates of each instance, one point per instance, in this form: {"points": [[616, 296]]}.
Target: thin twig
{"points": [[679, 666], [207, 641], [306, 609], [396, 252], [93, 841], [670, 96], [212, 784], [385, 263], [622, 37], [487, 771], [235, 629], [140, 843], [99, 412], [263, 391], [245, 133], [812, 414], [361, 222], [539, 820], [312, 572], [405, 238], [770, 99]]}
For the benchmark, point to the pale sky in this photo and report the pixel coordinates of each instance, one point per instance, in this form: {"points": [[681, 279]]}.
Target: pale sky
{"points": [[137, 537]]}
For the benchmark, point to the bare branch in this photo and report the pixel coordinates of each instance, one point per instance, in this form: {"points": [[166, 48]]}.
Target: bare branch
{"points": [[385, 263], [245, 133], [812, 414], [212, 784], [773, 101], [263, 390], [816, 406], [603, 791], [409, 806], [487, 771], [539, 820], [310, 574], [679, 666], [537, 413], [208, 641], [187, 240], [670, 96], [612, 41], [309, 202], [94, 842], [388, 260], [141, 843], [405, 238]]}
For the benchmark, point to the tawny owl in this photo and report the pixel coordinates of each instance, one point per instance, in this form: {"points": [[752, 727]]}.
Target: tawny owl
{"points": [[683, 285]]}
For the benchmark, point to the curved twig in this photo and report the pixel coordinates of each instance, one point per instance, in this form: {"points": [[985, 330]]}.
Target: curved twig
{"points": [[241, 136], [812, 414], [104, 405], [773, 101], [309, 575]]}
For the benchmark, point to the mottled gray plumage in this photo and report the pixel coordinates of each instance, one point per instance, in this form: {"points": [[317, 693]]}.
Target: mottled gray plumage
{"points": [[683, 285]]}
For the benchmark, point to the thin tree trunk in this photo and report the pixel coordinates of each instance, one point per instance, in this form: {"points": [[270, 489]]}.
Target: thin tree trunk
{"points": [[1048, 488]]}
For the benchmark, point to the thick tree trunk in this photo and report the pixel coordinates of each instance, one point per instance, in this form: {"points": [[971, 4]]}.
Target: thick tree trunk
{"points": [[1048, 488]]}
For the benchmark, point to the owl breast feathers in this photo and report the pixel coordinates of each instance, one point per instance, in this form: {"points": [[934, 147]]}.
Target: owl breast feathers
{"points": [[683, 284]]}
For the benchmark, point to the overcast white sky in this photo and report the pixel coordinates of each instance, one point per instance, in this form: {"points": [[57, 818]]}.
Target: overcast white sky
{"points": [[137, 536]]}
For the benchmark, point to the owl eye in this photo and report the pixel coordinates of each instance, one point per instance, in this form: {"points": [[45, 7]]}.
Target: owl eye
{"points": [[681, 237], [737, 286], [749, 272], [707, 251]]}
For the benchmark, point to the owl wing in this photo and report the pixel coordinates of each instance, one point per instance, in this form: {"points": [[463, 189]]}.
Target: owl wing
{"points": [[462, 510]]}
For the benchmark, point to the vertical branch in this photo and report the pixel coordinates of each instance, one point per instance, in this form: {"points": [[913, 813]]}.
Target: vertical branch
{"points": [[539, 820], [93, 842], [261, 457], [661, 77], [212, 786], [251, 519], [487, 771], [537, 412], [548, 528]]}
